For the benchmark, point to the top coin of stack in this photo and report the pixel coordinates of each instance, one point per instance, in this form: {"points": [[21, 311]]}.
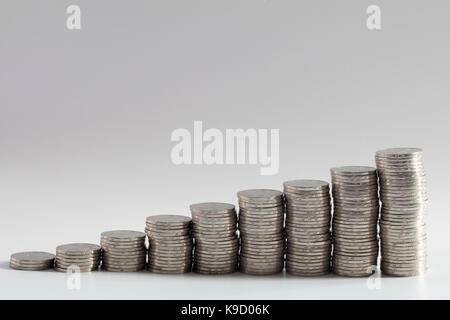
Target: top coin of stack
{"points": [[261, 224], [216, 243], [123, 250], [32, 260], [355, 220], [82, 256], [170, 244], [308, 236], [403, 212]]}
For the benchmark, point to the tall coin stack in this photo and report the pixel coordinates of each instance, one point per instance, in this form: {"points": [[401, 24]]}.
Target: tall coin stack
{"points": [[403, 211], [216, 242], [308, 218], [261, 224], [83, 257], [170, 243], [355, 220], [123, 250]]}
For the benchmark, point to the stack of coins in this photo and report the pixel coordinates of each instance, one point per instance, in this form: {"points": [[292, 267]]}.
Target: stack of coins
{"points": [[308, 218], [403, 212], [82, 257], [355, 220], [32, 260], [170, 244], [123, 250], [215, 235], [261, 228]]}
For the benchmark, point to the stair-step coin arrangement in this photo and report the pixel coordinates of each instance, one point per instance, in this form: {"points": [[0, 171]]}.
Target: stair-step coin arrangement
{"points": [[276, 230]]}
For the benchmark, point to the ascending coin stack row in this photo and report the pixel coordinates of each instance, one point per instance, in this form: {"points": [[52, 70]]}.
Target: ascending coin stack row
{"points": [[261, 228], [78, 257], [403, 211], [123, 250], [355, 220], [170, 244], [308, 236], [216, 241]]}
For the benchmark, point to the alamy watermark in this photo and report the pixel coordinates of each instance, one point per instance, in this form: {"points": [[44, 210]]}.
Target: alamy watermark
{"points": [[373, 21], [231, 147], [373, 282], [73, 21], [73, 279]]}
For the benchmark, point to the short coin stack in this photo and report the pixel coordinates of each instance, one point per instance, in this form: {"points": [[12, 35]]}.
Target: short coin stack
{"points": [[123, 250], [403, 211], [82, 257], [308, 218], [215, 236], [170, 244], [355, 220], [32, 260], [261, 228]]}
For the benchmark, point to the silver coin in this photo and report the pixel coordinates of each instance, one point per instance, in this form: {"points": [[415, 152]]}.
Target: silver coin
{"points": [[180, 271], [170, 269], [124, 255], [215, 231], [80, 266], [353, 170], [306, 273], [123, 235], [168, 220], [37, 265], [306, 184], [214, 271], [167, 228], [128, 244], [78, 248], [129, 264], [13, 265], [256, 195], [260, 272], [208, 207], [80, 269], [263, 211], [396, 153], [78, 260], [124, 269]]}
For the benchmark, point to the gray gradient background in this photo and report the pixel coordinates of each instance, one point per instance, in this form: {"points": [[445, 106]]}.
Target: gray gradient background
{"points": [[86, 118]]}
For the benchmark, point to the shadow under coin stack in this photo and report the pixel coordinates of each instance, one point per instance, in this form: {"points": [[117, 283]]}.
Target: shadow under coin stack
{"points": [[32, 260], [261, 223], [123, 250], [308, 218], [85, 256], [170, 244], [403, 211], [216, 242], [355, 220]]}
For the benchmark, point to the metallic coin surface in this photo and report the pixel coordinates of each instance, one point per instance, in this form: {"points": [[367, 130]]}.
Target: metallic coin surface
{"points": [[32, 260], [215, 237], [355, 219], [404, 200]]}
